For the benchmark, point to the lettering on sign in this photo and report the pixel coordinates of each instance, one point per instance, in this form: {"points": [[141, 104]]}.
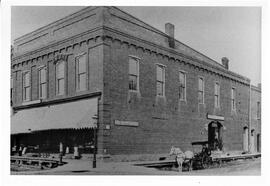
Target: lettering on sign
{"points": [[214, 117], [127, 123]]}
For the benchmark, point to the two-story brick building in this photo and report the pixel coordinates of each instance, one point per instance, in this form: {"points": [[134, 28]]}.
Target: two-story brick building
{"points": [[149, 90]]}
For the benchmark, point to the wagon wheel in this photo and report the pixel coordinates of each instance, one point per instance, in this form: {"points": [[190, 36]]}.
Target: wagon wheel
{"points": [[205, 162]]}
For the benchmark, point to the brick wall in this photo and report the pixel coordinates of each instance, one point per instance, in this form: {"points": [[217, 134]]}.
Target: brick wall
{"points": [[164, 122]]}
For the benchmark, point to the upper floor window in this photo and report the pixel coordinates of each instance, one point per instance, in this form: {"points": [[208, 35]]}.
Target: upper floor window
{"points": [[217, 95], [11, 90], [26, 86], [42, 82], [201, 90], [60, 78], [182, 85], [81, 72], [233, 95], [258, 110], [160, 80], [133, 83]]}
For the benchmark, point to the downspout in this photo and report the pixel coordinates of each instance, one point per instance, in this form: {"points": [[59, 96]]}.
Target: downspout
{"points": [[249, 119]]}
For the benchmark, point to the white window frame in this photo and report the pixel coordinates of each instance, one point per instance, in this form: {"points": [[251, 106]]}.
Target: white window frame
{"points": [[185, 85], [56, 78], [164, 82], [258, 105], [138, 73], [233, 97], [203, 89], [77, 73], [39, 82], [24, 87], [217, 106]]}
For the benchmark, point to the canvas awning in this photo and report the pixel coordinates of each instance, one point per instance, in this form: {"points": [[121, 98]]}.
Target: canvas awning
{"points": [[75, 115]]}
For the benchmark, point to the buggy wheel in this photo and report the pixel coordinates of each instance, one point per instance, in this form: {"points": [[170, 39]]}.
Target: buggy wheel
{"points": [[204, 165]]}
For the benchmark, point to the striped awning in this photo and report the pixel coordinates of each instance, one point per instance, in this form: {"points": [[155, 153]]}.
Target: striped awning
{"points": [[74, 115]]}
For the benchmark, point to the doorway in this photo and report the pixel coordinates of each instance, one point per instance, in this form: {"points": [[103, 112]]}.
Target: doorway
{"points": [[245, 139], [258, 143], [252, 141], [215, 135]]}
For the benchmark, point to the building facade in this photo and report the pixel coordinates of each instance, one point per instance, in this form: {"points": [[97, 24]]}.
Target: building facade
{"points": [[150, 91], [255, 129]]}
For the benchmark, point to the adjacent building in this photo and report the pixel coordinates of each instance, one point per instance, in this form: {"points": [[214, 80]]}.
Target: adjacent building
{"points": [[149, 90], [255, 129]]}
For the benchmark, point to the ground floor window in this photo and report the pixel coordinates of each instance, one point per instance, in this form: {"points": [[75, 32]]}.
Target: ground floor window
{"points": [[49, 141]]}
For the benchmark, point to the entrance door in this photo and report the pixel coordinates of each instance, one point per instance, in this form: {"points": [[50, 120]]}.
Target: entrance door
{"points": [[214, 135], [245, 139], [258, 142], [252, 141]]}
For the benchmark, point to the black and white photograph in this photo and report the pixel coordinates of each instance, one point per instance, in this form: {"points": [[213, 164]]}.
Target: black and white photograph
{"points": [[135, 90]]}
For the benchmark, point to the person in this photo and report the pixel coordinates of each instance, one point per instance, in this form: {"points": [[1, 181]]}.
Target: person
{"points": [[216, 141], [20, 150], [205, 150]]}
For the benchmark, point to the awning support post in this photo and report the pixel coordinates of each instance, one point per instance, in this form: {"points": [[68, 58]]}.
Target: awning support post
{"points": [[60, 153]]}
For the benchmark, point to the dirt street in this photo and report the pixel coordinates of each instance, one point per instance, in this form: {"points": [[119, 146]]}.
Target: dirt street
{"points": [[79, 167]]}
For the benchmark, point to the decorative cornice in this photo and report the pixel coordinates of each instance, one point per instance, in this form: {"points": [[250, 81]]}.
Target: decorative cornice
{"points": [[173, 54], [152, 48], [57, 43]]}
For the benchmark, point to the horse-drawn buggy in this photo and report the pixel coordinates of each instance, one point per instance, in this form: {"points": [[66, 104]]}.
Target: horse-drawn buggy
{"points": [[198, 159], [202, 159]]}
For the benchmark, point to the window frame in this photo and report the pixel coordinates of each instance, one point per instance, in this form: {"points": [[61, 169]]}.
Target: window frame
{"points": [[25, 87], [217, 83], [185, 85], [43, 67], [203, 89], [138, 73], [233, 103], [163, 67], [77, 74], [56, 78]]}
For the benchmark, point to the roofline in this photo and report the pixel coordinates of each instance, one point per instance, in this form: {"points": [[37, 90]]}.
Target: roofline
{"points": [[94, 7], [54, 22], [164, 34], [253, 87]]}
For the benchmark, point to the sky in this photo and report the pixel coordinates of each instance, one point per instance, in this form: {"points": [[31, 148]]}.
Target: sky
{"points": [[232, 32]]}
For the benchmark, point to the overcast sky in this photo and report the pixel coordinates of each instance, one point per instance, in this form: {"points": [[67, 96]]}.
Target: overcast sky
{"points": [[233, 32]]}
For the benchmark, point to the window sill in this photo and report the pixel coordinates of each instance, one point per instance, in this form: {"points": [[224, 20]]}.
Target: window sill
{"points": [[134, 91]]}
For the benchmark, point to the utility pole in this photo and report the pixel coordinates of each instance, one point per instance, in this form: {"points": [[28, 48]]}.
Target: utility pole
{"points": [[95, 118]]}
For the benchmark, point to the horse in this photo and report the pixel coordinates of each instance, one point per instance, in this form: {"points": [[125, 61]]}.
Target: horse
{"points": [[189, 155], [182, 157], [179, 156]]}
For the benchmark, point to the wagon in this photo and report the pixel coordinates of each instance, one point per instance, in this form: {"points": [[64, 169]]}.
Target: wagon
{"points": [[201, 159]]}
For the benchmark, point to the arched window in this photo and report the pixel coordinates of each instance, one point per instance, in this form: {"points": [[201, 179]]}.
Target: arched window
{"points": [[60, 78]]}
